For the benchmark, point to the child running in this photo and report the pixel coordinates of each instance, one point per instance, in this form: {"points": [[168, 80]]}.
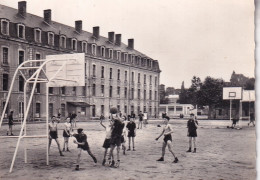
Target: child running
{"points": [[167, 140], [81, 140], [66, 134], [106, 144]]}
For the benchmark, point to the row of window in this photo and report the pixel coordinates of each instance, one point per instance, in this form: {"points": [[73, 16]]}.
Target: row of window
{"points": [[118, 92], [119, 75], [21, 56], [125, 110], [37, 113], [91, 48]]}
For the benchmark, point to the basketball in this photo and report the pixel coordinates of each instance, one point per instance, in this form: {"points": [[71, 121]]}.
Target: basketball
{"points": [[113, 110]]}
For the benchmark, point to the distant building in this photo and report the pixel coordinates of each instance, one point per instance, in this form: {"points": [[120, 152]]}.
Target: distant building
{"points": [[173, 99], [175, 109]]}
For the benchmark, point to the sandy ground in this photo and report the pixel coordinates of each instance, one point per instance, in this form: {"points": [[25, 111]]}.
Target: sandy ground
{"points": [[221, 154]]}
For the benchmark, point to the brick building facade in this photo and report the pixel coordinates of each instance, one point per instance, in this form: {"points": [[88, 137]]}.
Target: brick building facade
{"points": [[116, 74]]}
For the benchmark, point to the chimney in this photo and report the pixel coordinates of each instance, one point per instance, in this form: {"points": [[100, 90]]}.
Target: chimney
{"points": [[22, 8], [47, 15], [111, 36], [78, 26], [118, 39], [96, 32], [131, 43]]}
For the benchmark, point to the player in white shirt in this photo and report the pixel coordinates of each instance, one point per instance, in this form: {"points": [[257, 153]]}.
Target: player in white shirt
{"points": [[167, 140]]}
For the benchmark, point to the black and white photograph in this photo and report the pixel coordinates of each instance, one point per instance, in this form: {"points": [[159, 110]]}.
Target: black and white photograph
{"points": [[131, 90]]}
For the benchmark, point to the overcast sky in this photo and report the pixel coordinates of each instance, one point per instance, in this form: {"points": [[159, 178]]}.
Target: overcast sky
{"points": [[187, 37]]}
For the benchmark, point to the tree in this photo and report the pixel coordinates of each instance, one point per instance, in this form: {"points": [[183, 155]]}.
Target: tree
{"points": [[183, 98], [250, 84], [210, 94]]}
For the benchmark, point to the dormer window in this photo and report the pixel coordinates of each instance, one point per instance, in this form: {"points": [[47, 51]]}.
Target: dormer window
{"points": [[110, 53], [20, 31], [125, 57], [4, 26], [138, 59], [144, 62], [132, 58], [118, 55], [63, 41], [103, 51], [74, 44], [93, 49], [84, 46], [51, 38], [37, 35]]}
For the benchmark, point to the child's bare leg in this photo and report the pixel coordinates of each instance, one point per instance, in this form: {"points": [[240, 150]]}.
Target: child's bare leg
{"points": [[133, 141], [170, 148], [79, 155], [50, 143], [190, 142], [93, 157], [163, 149], [194, 142], [129, 142], [105, 153], [118, 150]]}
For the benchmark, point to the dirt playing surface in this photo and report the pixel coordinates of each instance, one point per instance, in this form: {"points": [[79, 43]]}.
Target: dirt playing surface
{"points": [[221, 154]]}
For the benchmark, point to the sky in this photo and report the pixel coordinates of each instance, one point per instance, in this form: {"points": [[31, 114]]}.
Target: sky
{"points": [[187, 37]]}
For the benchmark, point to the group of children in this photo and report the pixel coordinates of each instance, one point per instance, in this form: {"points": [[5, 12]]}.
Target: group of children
{"points": [[116, 131]]}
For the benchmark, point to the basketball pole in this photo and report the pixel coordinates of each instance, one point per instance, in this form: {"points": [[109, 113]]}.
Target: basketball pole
{"points": [[25, 144], [25, 117], [47, 120], [230, 112]]}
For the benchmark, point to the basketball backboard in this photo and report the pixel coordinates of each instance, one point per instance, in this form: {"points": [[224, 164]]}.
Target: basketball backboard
{"points": [[232, 93], [248, 95], [66, 70]]}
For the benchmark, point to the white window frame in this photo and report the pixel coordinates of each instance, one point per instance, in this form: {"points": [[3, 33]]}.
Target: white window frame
{"points": [[18, 31], [125, 57], [72, 43], [93, 49], [49, 42], [132, 58], [18, 55], [84, 43], [7, 30], [2, 55], [65, 38], [118, 53], [103, 49], [36, 30], [110, 53], [138, 60]]}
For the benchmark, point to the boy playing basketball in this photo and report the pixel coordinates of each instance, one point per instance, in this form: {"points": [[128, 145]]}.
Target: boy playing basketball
{"points": [[167, 140], [81, 140], [106, 144]]}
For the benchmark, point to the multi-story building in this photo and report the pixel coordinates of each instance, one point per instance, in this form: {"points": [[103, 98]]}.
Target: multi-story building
{"points": [[116, 74]]}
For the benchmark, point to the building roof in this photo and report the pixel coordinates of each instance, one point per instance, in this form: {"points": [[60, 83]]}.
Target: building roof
{"points": [[58, 28]]}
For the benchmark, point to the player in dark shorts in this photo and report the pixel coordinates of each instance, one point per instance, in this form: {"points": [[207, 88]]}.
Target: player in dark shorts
{"points": [[10, 123], [53, 133], [117, 130], [192, 126], [131, 126], [106, 143], [167, 140], [81, 140]]}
